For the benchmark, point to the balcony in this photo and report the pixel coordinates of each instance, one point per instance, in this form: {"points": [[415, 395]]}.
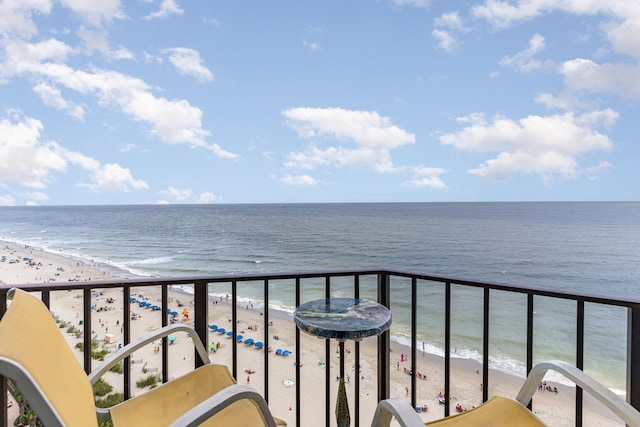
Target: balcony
{"points": [[457, 316]]}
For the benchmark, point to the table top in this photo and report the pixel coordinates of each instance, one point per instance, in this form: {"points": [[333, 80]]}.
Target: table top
{"points": [[342, 318]]}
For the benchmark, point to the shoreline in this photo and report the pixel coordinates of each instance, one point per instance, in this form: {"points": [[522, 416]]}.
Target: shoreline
{"points": [[554, 409]]}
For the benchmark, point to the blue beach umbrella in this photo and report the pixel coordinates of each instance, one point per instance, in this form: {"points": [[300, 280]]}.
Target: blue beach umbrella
{"points": [[259, 344], [248, 341], [221, 330], [213, 327], [230, 334], [174, 313], [239, 337]]}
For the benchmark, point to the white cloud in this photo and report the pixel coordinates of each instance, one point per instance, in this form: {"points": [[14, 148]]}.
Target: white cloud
{"points": [[624, 34], [208, 197], [16, 16], [23, 157], [621, 17], [313, 46], [522, 60], [594, 171], [26, 160], [95, 13], [446, 41], [447, 26], [188, 62], [178, 194], [52, 97], [113, 177], [373, 135], [79, 159], [563, 102], [94, 40], [426, 177], [172, 121], [450, 20], [301, 180], [542, 145], [584, 74], [36, 196], [7, 200], [210, 21], [186, 195], [121, 53], [415, 3], [167, 7]]}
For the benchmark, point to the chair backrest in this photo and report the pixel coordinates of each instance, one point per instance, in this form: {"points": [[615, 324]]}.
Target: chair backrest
{"points": [[35, 354]]}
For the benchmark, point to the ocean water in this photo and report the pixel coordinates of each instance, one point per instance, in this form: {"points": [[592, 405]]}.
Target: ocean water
{"points": [[585, 247]]}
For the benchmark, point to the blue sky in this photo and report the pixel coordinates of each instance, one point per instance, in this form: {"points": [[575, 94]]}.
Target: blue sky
{"points": [[109, 102]]}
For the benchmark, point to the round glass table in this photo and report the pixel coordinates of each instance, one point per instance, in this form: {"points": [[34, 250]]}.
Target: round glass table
{"points": [[342, 319]]}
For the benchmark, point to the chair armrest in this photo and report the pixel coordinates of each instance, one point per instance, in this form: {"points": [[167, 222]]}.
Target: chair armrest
{"points": [[605, 396], [399, 408], [125, 351], [221, 400]]}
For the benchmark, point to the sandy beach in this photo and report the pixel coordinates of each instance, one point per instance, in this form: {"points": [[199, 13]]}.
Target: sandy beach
{"points": [[553, 408]]}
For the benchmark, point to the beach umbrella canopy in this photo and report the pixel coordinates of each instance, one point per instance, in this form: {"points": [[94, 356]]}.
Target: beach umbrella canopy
{"points": [[213, 327], [239, 337], [259, 344], [230, 334], [248, 341], [174, 313], [221, 330], [172, 338]]}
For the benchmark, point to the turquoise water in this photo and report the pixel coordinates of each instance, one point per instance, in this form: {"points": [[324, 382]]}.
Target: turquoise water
{"points": [[575, 247]]}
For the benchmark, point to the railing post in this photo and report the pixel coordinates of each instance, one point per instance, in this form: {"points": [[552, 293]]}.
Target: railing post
{"points": [[579, 359], [3, 381], [86, 317], [447, 346], [529, 361], [201, 304], [485, 346], [384, 341], [633, 357]]}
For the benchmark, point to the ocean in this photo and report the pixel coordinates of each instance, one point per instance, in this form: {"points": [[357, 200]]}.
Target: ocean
{"points": [[579, 247]]}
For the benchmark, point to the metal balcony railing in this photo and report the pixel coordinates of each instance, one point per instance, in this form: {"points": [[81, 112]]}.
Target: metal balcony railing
{"points": [[387, 287]]}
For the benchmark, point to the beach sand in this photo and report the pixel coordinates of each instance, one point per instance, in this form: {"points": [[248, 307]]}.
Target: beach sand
{"points": [[553, 408]]}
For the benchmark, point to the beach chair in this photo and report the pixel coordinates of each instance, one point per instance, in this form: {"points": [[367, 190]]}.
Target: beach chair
{"points": [[36, 356], [502, 411]]}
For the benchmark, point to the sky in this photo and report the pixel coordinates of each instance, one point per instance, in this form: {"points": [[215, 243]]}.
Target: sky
{"points": [[300, 101]]}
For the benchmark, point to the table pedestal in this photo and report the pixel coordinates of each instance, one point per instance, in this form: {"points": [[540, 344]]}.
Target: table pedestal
{"points": [[342, 405], [342, 319]]}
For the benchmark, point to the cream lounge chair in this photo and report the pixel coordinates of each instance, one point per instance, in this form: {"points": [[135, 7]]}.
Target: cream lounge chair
{"points": [[36, 356], [501, 411]]}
